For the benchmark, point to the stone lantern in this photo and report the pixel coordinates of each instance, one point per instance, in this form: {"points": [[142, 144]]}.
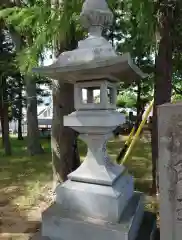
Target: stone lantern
{"points": [[98, 199]]}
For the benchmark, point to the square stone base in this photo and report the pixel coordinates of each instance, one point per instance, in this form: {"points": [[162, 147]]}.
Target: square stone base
{"points": [[148, 229], [59, 224], [96, 201]]}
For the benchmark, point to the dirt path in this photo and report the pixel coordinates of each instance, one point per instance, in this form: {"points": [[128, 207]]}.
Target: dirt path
{"points": [[21, 222]]}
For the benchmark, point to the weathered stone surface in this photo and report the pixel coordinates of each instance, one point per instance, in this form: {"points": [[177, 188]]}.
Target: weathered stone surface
{"points": [[98, 121], [170, 170], [96, 13], [147, 231], [96, 201], [95, 128], [102, 87], [63, 225], [93, 66]]}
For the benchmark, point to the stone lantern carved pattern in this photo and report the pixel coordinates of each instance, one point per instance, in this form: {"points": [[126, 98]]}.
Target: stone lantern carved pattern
{"points": [[96, 15], [174, 168]]}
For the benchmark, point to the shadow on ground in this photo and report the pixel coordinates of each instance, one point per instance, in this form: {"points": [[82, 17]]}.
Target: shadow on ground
{"points": [[24, 186], [15, 223]]}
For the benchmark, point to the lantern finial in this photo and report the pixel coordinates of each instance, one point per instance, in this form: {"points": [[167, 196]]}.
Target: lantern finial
{"points": [[96, 15]]}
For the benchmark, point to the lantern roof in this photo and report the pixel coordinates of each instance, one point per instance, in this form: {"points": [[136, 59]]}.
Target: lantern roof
{"points": [[95, 57]]}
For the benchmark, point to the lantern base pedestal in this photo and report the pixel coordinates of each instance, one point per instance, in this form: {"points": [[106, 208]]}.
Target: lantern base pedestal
{"points": [[94, 200], [59, 224], [92, 211]]}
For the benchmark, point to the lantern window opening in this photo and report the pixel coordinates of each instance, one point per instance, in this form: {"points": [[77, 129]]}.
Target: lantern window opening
{"points": [[90, 95]]}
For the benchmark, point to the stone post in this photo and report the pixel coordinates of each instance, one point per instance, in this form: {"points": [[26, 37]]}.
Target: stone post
{"points": [[90, 95], [170, 170]]}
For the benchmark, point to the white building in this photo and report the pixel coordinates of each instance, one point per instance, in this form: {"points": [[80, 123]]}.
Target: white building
{"points": [[45, 117]]}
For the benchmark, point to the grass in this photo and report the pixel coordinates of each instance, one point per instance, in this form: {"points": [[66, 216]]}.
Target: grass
{"points": [[25, 181], [33, 172], [27, 173]]}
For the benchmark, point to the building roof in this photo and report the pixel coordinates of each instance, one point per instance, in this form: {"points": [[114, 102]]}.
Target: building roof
{"points": [[43, 122], [47, 112]]}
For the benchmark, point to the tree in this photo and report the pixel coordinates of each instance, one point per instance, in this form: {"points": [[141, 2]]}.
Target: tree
{"points": [[23, 39], [4, 117], [15, 91], [45, 21], [20, 106], [65, 156], [159, 25], [129, 36], [5, 63], [126, 99], [16, 87], [145, 20]]}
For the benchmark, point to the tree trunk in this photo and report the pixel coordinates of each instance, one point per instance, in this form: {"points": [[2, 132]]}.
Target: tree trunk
{"points": [[5, 119], [20, 107], [20, 135], [64, 146], [34, 146], [65, 156], [139, 106], [139, 89], [6, 140], [162, 86], [2, 124]]}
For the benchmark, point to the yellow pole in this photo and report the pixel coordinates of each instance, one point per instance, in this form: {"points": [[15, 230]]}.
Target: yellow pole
{"points": [[130, 136], [138, 132], [128, 141]]}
